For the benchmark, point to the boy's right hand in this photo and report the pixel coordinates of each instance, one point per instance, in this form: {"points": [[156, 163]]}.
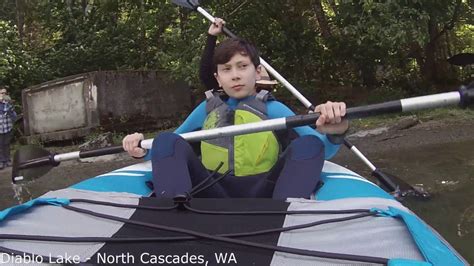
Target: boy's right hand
{"points": [[130, 145], [216, 27]]}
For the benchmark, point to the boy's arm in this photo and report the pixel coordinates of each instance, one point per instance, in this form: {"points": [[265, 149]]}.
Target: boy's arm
{"points": [[194, 121], [206, 67], [277, 110]]}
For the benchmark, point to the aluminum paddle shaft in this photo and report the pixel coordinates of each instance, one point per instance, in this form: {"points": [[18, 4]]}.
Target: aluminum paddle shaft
{"points": [[463, 97]]}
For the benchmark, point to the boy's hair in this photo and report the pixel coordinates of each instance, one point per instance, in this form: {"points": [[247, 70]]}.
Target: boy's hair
{"points": [[228, 48]]}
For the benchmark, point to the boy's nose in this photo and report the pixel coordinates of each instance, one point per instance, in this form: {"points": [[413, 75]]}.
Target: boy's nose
{"points": [[235, 74]]}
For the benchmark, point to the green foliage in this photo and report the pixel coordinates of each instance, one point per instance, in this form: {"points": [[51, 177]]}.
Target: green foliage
{"points": [[14, 62], [382, 46], [381, 38]]}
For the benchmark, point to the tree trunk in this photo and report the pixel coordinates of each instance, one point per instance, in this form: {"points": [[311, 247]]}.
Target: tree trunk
{"points": [[429, 69], [20, 18], [367, 73], [143, 45], [435, 70], [84, 7], [321, 17]]}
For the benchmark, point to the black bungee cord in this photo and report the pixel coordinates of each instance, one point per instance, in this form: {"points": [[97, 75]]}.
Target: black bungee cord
{"points": [[296, 251]]}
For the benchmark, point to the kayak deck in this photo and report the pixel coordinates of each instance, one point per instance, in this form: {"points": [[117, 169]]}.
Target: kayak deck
{"points": [[389, 233]]}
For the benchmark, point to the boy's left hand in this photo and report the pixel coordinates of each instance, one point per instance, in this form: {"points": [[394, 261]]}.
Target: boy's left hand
{"points": [[331, 119], [216, 27]]}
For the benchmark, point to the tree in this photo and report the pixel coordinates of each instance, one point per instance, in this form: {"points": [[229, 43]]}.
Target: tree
{"points": [[320, 46]]}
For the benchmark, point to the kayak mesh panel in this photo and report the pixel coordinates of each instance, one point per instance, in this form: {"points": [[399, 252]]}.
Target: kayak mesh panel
{"points": [[211, 224], [368, 236], [56, 221]]}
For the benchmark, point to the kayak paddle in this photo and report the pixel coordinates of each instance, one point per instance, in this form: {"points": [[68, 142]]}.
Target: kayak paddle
{"points": [[397, 186], [30, 162]]}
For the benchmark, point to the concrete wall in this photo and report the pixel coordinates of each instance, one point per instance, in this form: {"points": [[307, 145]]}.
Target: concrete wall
{"points": [[140, 98], [114, 100]]}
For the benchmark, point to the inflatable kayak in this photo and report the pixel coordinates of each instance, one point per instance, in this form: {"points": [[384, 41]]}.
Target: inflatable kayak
{"points": [[110, 219]]}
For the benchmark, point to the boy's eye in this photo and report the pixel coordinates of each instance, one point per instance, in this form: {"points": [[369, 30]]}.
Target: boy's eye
{"points": [[243, 66]]}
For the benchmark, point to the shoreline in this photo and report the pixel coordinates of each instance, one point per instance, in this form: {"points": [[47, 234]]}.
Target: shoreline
{"points": [[413, 132]]}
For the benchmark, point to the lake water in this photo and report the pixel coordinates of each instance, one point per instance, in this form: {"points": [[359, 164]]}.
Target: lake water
{"points": [[447, 172]]}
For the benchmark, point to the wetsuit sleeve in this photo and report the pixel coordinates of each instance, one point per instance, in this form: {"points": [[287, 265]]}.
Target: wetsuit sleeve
{"points": [[192, 123], [206, 67], [277, 110]]}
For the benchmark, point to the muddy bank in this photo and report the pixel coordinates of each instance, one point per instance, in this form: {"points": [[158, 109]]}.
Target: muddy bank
{"points": [[402, 135], [414, 135]]}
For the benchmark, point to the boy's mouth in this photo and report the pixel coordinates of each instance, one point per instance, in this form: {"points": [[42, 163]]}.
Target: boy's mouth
{"points": [[237, 87]]}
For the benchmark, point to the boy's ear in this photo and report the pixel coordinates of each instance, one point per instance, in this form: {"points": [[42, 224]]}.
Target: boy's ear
{"points": [[258, 71], [217, 78]]}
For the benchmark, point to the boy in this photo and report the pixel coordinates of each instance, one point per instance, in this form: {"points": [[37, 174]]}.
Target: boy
{"points": [[206, 67], [265, 164]]}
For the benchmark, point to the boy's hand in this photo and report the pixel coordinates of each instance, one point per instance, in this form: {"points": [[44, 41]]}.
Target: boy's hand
{"points": [[331, 119], [216, 27], [130, 145]]}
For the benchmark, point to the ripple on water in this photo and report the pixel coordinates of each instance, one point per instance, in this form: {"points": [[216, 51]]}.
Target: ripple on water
{"points": [[466, 222], [21, 192]]}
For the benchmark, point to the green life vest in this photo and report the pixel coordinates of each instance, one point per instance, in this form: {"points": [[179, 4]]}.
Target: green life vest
{"points": [[244, 155]]}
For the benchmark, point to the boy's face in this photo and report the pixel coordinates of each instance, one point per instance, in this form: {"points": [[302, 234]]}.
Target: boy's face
{"points": [[237, 77]]}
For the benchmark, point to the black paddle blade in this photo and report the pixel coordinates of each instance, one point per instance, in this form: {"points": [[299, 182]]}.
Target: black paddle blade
{"points": [[30, 162], [399, 188], [191, 4], [414, 191]]}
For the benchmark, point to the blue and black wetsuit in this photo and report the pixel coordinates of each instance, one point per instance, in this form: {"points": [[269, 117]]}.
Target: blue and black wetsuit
{"points": [[176, 168]]}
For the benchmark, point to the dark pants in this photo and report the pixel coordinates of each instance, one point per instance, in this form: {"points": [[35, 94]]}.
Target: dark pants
{"points": [[177, 169], [5, 139]]}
